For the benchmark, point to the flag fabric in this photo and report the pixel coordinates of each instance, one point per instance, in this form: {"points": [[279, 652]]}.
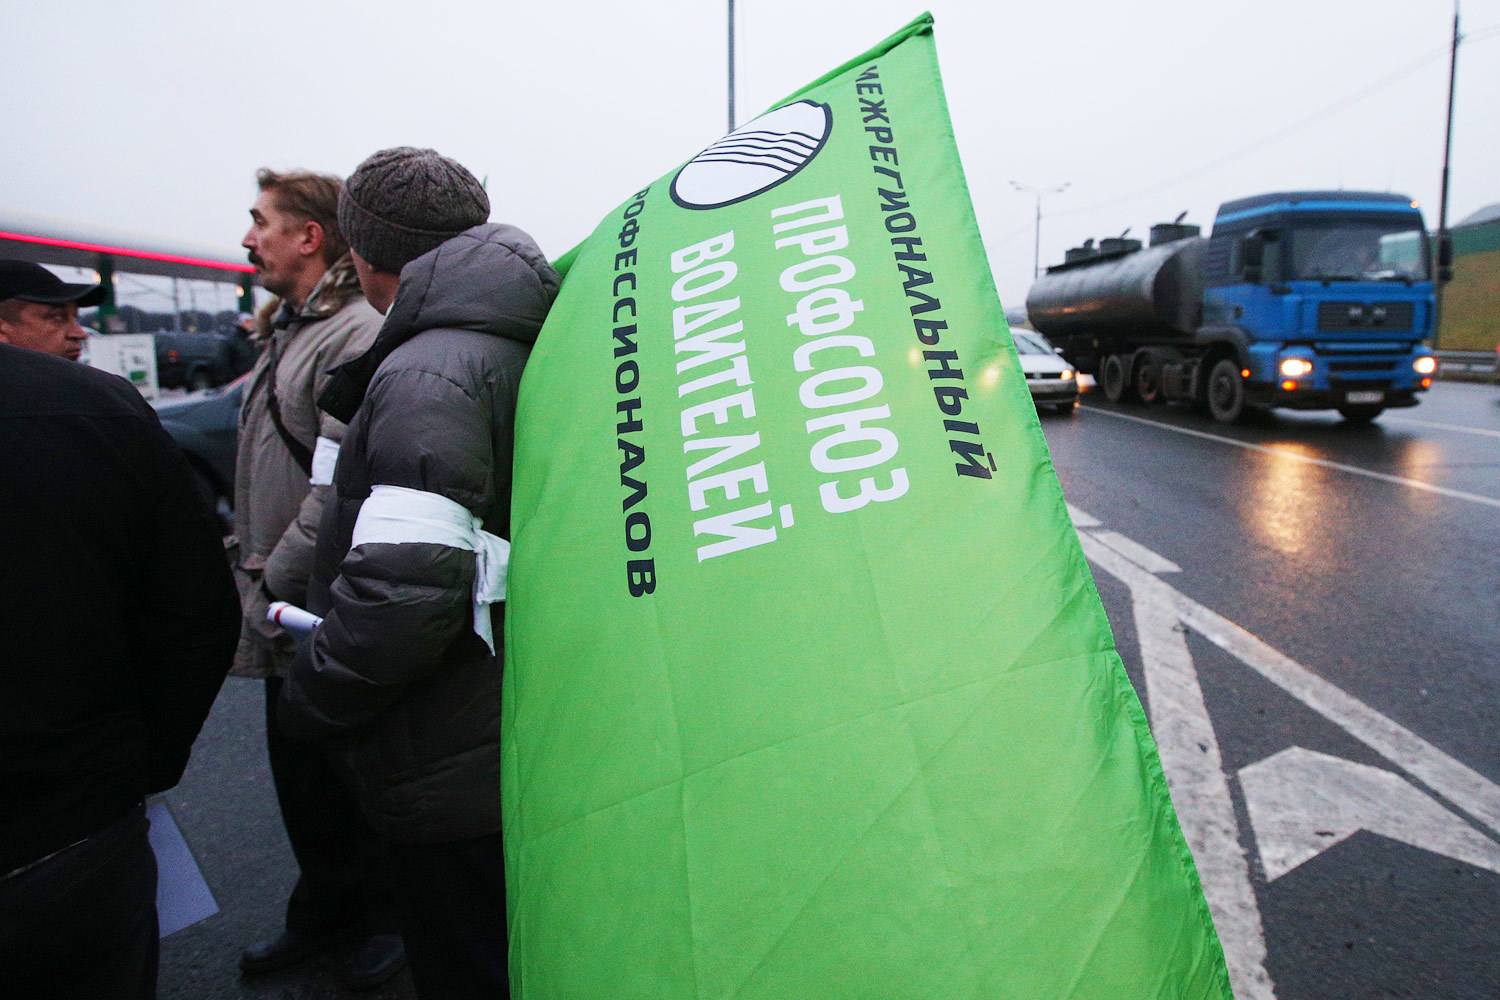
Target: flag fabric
{"points": [[809, 693]]}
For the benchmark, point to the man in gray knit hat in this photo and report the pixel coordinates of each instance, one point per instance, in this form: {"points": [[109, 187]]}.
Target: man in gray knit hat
{"points": [[402, 679]]}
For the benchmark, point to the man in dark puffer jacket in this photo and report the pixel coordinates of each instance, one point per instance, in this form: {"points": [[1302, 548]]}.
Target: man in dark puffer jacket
{"points": [[402, 680]]}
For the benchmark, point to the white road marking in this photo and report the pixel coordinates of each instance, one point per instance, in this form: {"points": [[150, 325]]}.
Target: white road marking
{"points": [[1195, 773], [1190, 753], [1137, 553], [1459, 784], [1301, 803], [1081, 519], [1307, 459], [1389, 419]]}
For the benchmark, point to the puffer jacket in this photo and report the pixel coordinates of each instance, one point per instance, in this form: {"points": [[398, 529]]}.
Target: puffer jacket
{"points": [[276, 509], [396, 681]]}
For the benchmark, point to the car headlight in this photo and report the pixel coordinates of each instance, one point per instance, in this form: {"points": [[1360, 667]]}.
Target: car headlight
{"points": [[1425, 365], [1296, 367], [1067, 374]]}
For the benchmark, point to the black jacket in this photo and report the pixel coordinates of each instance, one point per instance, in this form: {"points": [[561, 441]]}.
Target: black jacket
{"points": [[396, 680], [118, 617]]}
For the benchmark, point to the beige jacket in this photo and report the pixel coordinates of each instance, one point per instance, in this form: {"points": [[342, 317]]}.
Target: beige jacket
{"points": [[276, 508]]}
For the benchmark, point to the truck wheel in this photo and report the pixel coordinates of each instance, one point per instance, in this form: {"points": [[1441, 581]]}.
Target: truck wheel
{"points": [[1361, 414], [1116, 382], [1148, 379], [1226, 392]]}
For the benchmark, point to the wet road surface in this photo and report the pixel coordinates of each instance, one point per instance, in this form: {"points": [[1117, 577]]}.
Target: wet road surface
{"points": [[1310, 611]]}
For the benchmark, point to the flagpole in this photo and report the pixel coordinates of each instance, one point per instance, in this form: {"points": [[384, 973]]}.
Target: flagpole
{"points": [[731, 65]]}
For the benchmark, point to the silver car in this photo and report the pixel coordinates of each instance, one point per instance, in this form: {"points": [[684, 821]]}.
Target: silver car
{"points": [[1052, 381]]}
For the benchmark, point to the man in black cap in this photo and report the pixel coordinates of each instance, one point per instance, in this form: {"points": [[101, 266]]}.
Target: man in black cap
{"points": [[402, 679], [39, 311]]}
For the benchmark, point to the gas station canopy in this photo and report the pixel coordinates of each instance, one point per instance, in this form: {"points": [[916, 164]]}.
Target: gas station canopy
{"points": [[45, 240]]}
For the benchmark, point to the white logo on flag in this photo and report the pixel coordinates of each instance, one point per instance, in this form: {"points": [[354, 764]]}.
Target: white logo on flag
{"points": [[755, 157]]}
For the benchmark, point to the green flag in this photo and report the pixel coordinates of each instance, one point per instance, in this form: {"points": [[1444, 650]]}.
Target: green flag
{"points": [[809, 693]]}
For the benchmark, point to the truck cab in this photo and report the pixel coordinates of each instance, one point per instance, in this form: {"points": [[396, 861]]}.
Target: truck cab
{"points": [[1325, 298]]}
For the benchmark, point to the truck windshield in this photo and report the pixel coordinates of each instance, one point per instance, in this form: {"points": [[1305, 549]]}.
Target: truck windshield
{"points": [[1358, 251]]}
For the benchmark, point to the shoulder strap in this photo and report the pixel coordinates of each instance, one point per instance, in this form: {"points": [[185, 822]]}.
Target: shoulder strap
{"points": [[301, 453]]}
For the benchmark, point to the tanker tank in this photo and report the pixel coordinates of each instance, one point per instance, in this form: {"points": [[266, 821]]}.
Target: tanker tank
{"points": [[1120, 297]]}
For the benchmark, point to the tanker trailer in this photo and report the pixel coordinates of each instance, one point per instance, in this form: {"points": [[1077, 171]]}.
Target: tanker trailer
{"points": [[1306, 300]]}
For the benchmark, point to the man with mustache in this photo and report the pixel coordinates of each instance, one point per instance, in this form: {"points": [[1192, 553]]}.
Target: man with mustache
{"points": [[287, 451]]}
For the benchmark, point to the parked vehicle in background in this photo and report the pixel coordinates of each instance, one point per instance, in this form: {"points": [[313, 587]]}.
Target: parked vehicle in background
{"points": [[1051, 379], [201, 360], [1303, 299], [205, 426]]}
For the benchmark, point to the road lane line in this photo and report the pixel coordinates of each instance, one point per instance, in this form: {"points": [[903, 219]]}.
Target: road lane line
{"points": [[1388, 419], [1190, 758], [1458, 783], [1308, 459], [1137, 553], [1080, 519]]}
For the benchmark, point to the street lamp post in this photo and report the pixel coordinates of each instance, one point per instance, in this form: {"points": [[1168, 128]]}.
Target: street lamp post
{"points": [[1036, 247], [1442, 233], [731, 65]]}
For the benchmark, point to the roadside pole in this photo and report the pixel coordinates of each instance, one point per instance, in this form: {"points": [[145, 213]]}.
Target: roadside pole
{"points": [[1437, 284]]}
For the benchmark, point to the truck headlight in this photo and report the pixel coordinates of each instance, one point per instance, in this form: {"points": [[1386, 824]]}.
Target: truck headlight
{"points": [[1067, 375], [1425, 365], [1296, 367]]}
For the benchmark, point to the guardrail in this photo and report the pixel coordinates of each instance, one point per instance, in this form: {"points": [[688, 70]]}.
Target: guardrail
{"points": [[1471, 366]]}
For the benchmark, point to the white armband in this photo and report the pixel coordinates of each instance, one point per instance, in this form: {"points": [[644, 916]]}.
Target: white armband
{"points": [[396, 515], [325, 458]]}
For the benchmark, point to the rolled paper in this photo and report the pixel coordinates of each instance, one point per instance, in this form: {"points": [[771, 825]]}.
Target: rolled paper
{"points": [[292, 618]]}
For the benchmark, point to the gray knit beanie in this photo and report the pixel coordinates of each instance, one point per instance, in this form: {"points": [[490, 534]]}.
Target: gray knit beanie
{"points": [[402, 202]]}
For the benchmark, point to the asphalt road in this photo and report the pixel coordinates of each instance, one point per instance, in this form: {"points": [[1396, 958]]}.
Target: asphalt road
{"points": [[1311, 614], [225, 807], [1320, 627]]}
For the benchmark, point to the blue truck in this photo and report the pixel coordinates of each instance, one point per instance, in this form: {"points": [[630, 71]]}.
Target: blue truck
{"points": [[1309, 300]]}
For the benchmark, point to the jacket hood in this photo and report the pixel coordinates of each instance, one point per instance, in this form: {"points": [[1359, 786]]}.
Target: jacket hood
{"points": [[491, 278], [339, 284]]}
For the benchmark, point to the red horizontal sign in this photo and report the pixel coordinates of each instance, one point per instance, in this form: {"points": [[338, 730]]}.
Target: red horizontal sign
{"points": [[170, 258]]}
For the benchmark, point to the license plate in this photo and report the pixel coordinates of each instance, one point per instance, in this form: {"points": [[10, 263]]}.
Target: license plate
{"points": [[1372, 396]]}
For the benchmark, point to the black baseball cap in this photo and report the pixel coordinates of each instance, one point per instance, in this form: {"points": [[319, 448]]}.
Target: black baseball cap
{"points": [[20, 279]]}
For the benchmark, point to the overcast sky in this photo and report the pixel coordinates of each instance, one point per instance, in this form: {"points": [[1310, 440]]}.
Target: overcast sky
{"points": [[153, 116]]}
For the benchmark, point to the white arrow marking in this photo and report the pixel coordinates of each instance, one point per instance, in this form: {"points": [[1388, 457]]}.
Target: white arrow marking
{"points": [[1458, 783], [1190, 752], [1301, 803]]}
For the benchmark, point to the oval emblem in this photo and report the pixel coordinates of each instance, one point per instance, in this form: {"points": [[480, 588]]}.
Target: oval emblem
{"points": [[755, 157]]}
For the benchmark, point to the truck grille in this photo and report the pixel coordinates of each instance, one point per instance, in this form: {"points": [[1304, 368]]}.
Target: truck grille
{"points": [[1361, 366], [1395, 317]]}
